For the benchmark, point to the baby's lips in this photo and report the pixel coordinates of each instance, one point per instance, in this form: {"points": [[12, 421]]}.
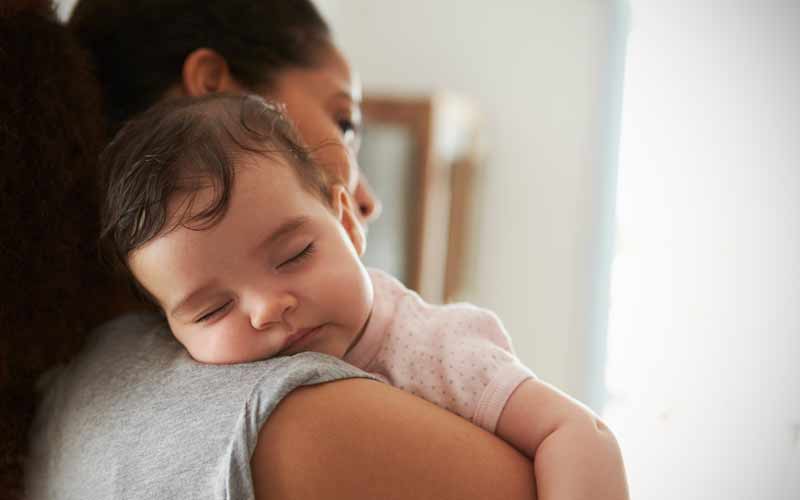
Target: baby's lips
{"points": [[299, 335]]}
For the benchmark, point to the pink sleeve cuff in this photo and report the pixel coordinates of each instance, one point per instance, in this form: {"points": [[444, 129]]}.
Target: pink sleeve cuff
{"points": [[494, 397]]}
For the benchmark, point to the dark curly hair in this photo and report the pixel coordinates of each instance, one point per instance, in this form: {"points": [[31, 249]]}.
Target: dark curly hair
{"points": [[257, 38], [54, 291]]}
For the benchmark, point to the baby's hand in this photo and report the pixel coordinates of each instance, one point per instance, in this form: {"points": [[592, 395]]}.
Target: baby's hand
{"points": [[575, 455]]}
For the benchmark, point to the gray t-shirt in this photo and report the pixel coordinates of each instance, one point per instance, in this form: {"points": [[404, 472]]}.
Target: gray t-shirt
{"points": [[133, 416]]}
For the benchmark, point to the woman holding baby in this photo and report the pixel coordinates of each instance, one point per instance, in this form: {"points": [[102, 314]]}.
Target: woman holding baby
{"points": [[135, 416]]}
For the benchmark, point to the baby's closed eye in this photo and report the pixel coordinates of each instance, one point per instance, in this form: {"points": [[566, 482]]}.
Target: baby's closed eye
{"points": [[213, 313], [298, 258]]}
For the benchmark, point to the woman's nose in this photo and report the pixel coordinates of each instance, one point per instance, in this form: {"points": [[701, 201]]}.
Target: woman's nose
{"points": [[369, 206], [271, 309]]}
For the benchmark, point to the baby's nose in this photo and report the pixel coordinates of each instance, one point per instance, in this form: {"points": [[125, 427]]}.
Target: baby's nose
{"points": [[272, 310]]}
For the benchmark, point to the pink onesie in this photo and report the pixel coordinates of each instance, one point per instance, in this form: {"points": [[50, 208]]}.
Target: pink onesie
{"points": [[457, 356]]}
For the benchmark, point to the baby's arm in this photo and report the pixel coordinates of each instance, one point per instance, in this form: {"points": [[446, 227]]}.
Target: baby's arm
{"points": [[574, 454]]}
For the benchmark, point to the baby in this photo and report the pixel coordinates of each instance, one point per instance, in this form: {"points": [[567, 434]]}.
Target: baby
{"points": [[224, 222]]}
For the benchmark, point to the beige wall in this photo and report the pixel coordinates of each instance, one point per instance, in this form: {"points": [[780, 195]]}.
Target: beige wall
{"points": [[539, 72]]}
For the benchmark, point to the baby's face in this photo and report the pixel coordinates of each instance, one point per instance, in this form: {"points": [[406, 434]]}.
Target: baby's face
{"points": [[278, 274]]}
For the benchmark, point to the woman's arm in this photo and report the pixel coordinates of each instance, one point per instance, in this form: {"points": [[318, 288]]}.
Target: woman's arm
{"points": [[359, 439]]}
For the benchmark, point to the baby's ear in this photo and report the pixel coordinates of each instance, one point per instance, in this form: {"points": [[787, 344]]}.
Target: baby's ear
{"points": [[344, 209]]}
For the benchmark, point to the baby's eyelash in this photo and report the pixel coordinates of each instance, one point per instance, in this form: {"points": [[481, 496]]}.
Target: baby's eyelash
{"points": [[211, 314], [304, 254]]}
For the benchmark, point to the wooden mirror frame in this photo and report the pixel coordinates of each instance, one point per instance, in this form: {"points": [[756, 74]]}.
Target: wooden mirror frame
{"points": [[445, 158]]}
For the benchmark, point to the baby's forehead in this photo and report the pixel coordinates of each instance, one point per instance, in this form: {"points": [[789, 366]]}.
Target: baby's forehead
{"points": [[199, 188], [201, 200]]}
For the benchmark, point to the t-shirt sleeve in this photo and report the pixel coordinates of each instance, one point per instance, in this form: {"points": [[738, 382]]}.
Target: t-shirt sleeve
{"points": [[134, 416], [287, 374], [235, 476], [478, 367]]}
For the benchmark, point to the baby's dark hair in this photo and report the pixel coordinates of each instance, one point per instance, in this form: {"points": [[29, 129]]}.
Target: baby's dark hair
{"points": [[182, 146]]}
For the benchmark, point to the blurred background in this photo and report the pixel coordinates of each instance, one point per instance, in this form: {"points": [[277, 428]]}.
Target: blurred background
{"points": [[634, 210], [620, 182]]}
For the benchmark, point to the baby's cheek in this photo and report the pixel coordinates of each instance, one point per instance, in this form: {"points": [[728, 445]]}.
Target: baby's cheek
{"points": [[190, 343], [206, 352], [219, 347], [354, 291]]}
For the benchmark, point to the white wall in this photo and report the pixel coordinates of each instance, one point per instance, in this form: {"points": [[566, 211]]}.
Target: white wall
{"points": [[539, 71], [704, 365], [705, 334]]}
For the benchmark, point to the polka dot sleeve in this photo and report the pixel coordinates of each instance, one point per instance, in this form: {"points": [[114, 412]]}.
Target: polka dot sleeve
{"points": [[457, 356]]}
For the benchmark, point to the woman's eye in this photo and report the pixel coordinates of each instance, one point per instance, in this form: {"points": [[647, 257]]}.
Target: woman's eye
{"points": [[211, 314], [346, 125], [299, 257], [351, 131]]}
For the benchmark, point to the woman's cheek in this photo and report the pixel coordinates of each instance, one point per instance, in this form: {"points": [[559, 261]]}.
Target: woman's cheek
{"points": [[339, 162], [351, 173]]}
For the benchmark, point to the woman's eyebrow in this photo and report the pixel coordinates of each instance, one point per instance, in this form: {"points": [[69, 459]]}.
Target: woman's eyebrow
{"points": [[343, 95]]}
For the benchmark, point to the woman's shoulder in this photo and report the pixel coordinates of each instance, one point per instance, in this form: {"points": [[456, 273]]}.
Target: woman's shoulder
{"points": [[134, 409], [139, 347], [134, 358]]}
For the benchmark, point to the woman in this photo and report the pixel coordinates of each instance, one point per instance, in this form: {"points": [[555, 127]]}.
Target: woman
{"points": [[133, 417], [53, 288]]}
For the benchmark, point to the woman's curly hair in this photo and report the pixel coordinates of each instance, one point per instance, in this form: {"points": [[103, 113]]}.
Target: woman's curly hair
{"points": [[54, 290]]}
